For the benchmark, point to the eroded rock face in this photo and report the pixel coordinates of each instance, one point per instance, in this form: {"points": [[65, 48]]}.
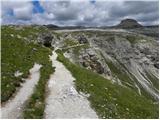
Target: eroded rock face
{"points": [[139, 58], [90, 60], [45, 39], [128, 59]]}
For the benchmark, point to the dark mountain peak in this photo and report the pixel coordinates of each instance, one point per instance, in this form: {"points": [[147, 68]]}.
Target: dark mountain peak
{"points": [[129, 23], [52, 26], [128, 20]]}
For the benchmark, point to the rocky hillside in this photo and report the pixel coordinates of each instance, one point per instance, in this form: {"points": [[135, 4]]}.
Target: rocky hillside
{"points": [[128, 59], [116, 68]]}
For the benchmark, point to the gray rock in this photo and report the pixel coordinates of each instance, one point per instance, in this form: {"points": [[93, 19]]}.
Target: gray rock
{"points": [[85, 63], [45, 39], [91, 53], [34, 49], [82, 39]]}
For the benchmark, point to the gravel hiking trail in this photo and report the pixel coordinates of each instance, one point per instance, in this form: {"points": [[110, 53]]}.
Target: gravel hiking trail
{"points": [[13, 108], [63, 101]]}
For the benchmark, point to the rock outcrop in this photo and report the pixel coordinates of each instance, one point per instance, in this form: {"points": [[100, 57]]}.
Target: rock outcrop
{"points": [[82, 39], [90, 60]]}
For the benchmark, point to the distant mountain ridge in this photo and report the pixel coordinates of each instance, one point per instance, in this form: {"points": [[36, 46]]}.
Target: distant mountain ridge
{"points": [[124, 24]]}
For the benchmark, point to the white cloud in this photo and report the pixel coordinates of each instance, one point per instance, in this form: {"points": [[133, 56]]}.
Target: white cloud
{"points": [[23, 12], [81, 12], [20, 9]]}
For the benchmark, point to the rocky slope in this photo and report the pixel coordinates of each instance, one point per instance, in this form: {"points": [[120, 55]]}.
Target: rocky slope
{"points": [[128, 59]]}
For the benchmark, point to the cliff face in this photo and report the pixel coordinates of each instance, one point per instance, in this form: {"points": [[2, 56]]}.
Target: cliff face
{"points": [[126, 58]]}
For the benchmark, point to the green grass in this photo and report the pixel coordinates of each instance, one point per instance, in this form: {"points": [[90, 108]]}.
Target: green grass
{"points": [[109, 100], [153, 79], [19, 54], [134, 39], [122, 75], [28, 31], [36, 104], [69, 42]]}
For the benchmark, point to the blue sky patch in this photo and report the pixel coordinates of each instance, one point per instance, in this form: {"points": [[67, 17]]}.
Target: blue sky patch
{"points": [[10, 12], [37, 7]]}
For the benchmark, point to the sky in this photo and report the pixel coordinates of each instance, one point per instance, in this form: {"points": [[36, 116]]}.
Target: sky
{"points": [[78, 12]]}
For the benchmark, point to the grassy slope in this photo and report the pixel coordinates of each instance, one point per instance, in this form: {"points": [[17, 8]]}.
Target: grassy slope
{"points": [[36, 104], [110, 100], [18, 54], [154, 80]]}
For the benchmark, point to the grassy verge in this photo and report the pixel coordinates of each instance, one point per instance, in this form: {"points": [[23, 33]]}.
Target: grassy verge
{"points": [[36, 104], [21, 54], [109, 100], [17, 55]]}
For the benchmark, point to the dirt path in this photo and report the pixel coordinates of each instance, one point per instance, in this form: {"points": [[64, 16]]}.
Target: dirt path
{"points": [[63, 100], [73, 46], [13, 109]]}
